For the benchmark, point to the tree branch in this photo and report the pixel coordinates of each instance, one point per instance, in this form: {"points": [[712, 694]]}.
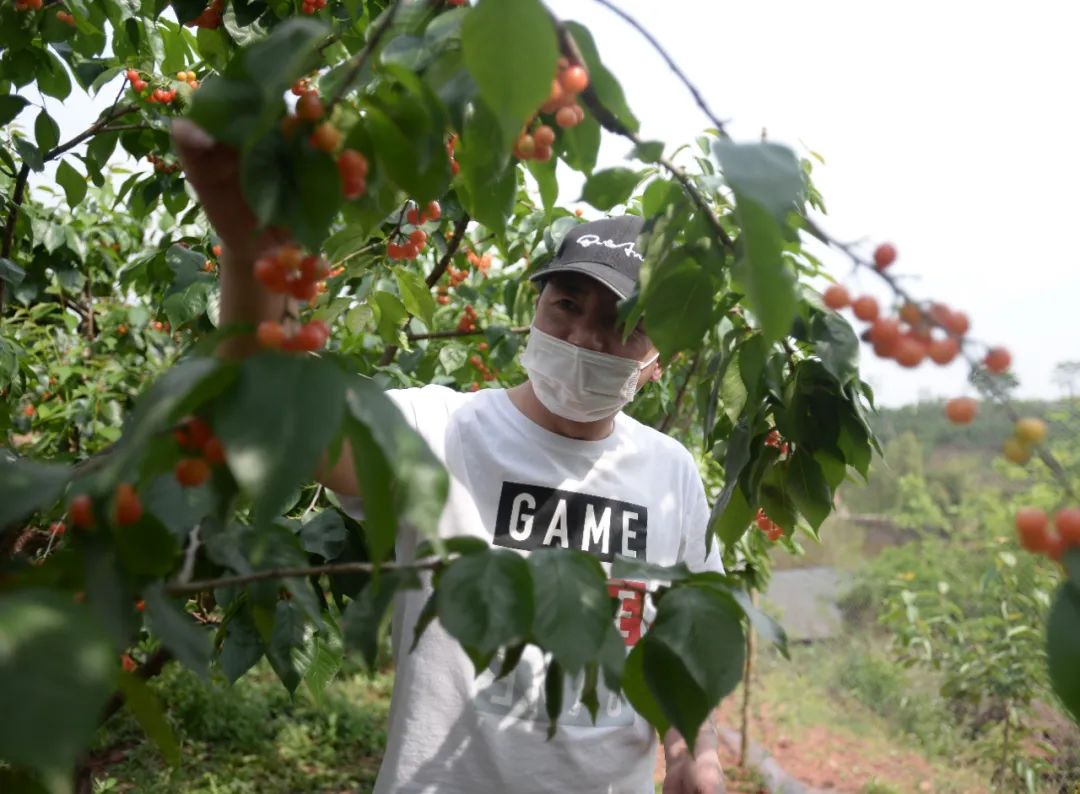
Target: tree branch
{"points": [[186, 588], [669, 417], [670, 62], [611, 123], [518, 329], [361, 57], [433, 279]]}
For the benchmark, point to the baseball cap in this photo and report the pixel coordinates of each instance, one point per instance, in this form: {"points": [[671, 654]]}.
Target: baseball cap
{"points": [[604, 249]]}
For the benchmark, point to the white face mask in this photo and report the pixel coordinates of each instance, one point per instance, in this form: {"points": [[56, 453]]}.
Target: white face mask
{"points": [[579, 384]]}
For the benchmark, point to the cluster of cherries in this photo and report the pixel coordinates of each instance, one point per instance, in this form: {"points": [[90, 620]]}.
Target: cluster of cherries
{"points": [[161, 165], [478, 363], [288, 271], [772, 530], [311, 6], [1033, 528], [64, 17], [570, 80], [457, 276], [324, 136], [189, 78], [127, 507], [210, 17], [404, 245], [28, 5], [467, 323], [195, 436], [159, 96]]}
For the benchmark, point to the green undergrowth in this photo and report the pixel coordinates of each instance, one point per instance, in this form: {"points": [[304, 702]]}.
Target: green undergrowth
{"points": [[253, 737]]}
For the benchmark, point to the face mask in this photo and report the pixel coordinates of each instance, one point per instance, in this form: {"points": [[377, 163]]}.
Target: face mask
{"points": [[579, 384]]}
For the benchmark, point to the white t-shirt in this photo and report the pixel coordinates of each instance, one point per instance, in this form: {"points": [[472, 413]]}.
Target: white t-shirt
{"points": [[519, 486]]}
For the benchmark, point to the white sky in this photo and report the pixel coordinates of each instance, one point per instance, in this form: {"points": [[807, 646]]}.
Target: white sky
{"points": [[947, 128]]}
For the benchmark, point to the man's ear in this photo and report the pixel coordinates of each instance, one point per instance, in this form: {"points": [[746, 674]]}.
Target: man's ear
{"points": [[657, 371]]}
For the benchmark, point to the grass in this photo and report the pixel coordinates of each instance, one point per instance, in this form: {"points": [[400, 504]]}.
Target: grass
{"points": [[252, 737]]}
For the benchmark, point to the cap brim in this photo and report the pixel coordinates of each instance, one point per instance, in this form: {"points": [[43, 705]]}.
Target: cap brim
{"points": [[610, 278]]}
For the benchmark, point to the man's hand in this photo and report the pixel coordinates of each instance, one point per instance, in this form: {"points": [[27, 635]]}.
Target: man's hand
{"points": [[697, 773], [213, 170]]}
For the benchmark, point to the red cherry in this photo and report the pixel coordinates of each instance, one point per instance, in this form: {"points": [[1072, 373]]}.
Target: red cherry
{"points": [[412, 217], [432, 211], [304, 290], [214, 452], [865, 308], [128, 506], [418, 237], [574, 80], [836, 296], [998, 360], [314, 268], [192, 472], [309, 107], [544, 135], [81, 511], [884, 255], [1067, 523], [270, 335]]}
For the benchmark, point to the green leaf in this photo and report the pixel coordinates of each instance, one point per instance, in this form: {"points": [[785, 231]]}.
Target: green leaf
{"points": [[10, 107], [146, 547], [488, 175], [284, 650], [734, 519], [694, 655], [554, 686], [177, 630], [73, 183], [766, 173], [510, 50], [30, 154], [604, 189], [452, 357], [46, 132], [56, 672], [27, 486], [10, 272], [1063, 647], [364, 616], [276, 391], [602, 82], [397, 471], [325, 534], [242, 646], [639, 692], [678, 304], [766, 279], [648, 151], [730, 529], [579, 146], [227, 108], [188, 303], [573, 608], [836, 345], [391, 314], [546, 181], [640, 570], [486, 601], [144, 705], [289, 52], [807, 487], [52, 77], [321, 658], [416, 295]]}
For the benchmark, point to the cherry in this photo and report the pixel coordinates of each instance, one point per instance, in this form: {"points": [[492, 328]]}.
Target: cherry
{"points": [[885, 331], [432, 211], [214, 452], [997, 360], [943, 351], [958, 323], [544, 135], [910, 351], [325, 138], [418, 237], [66, 18], [192, 472], [29, 411], [574, 80], [215, 250], [129, 664], [524, 146], [412, 217], [140, 606], [271, 275], [566, 117], [1031, 523], [836, 296], [1030, 430], [911, 314], [309, 107], [57, 528], [884, 255], [300, 87], [193, 434], [314, 268], [132, 76], [128, 506], [81, 511], [353, 168], [1016, 451], [1067, 523], [961, 410], [311, 336], [865, 308], [542, 154], [303, 290], [270, 335]]}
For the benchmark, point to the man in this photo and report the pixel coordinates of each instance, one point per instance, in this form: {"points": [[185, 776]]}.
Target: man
{"points": [[551, 462]]}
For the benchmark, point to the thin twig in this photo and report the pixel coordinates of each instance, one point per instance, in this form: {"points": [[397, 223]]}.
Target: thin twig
{"points": [[519, 329], [186, 588], [361, 57], [669, 417], [433, 278], [670, 62], [611, 123]]}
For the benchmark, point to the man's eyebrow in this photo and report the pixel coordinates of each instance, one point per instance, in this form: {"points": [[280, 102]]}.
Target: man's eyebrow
{"points": [[568, 285]]}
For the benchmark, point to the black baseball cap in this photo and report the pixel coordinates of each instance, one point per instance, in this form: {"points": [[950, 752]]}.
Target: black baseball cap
{"points": [[605, 249]]}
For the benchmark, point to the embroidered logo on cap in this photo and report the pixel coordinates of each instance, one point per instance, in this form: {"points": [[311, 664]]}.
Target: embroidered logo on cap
{"points": [[589, 240]]}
